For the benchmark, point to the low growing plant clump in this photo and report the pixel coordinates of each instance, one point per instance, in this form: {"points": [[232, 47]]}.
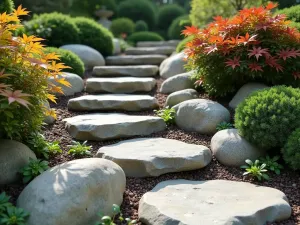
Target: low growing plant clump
{"points": [[256, 170], [78, 149], [267, 117], [272, 164], [224, 126], [254, 45], [291, 150], [167, 114], [34, 168]]}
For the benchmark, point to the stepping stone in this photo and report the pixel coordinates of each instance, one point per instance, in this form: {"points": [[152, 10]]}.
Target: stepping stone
{"points": [[134, 71], [113, 102], [212, 202], [172, 43], [143, 157], [135, 60], [106, 126], [120, 84], [163, 50]]}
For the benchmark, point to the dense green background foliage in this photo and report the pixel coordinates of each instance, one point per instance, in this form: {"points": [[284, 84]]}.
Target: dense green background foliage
{"points": [[166, 15], [269, 116], [144, 36], [182, 44], [141, 26], [6, 6], [291, 150], [122, 26], [69, 59], [177, 26], [292, 13]]}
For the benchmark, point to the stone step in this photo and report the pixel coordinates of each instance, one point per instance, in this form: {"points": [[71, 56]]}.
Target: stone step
{"points": [[143, 157], [172, 43], [135, 60], [163, 50], [112, 102], [107, 126], [120, 85], [133, 71]]}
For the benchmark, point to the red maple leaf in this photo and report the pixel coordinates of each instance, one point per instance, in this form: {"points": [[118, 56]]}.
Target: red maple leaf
{"points": [[233, 62], [255, 67], [263, 25], [271, 5], [257, 52], [197, 42], [210, 49], [288, 53], [190, 31], [16, 96], [296, 75], [247, 39], [272, 62]]}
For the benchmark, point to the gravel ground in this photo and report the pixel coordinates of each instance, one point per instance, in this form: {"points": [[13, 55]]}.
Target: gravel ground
{"points": [[288, 181]]}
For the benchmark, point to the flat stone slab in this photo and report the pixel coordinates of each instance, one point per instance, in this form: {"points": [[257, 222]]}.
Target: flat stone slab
{"points": [[120, 84], [213, 202], [162, 50], [135, 60], [106, 126], [172, 43], [143, 157], [133, 71], [112, 102]]}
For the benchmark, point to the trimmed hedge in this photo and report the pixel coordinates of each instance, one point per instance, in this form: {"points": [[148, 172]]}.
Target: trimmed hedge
{"points": [[69, 59], [57, 29], [94, 35], [177, 26], [141, 26], [144, 36], [166, 15], [122, 26], [291, 150], [138, 10]]}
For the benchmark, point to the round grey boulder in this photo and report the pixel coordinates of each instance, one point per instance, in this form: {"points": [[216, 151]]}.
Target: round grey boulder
{"points": [[90, 57], [200, 115], [73, 192], [181, 96], [172, 66], [76, 82], [177, 83], [231, 149], [13, 157], [244, 92]]}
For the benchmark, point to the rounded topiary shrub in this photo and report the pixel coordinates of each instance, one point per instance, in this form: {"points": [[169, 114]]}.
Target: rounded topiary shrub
{"points": [[88, 7], [141, 26], [166, 15], [122, 26], [57, 29], [144, 36], [69, 59], [177, 26], [292, 13], [138, 10], [291, 150], [181, 46], [6, 6], [94, 35], [268, 117]]}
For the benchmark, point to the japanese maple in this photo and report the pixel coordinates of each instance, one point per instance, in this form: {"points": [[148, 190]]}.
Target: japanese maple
{"points": [[24, 79], [254, 45]]}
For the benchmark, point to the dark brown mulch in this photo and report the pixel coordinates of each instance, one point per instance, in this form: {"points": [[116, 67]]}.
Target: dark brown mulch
{"points": [[288, 182]]}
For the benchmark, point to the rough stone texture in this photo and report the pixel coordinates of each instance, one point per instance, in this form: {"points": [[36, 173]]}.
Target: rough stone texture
{"points": [[135, 60], [117, 46], [244, 92], [48, 119], [172, 66], [181, 96], [113, 102], [144, 157], [90, 57], [105, 126], [231, 149], [200, 115], [162, 50], [177, 83], [134, 71], [73, 192], [172, 43], [120, 84], [13, 157], [76, 82], [214, 202]]}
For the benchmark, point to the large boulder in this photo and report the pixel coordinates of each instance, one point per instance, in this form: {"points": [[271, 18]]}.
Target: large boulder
{"points": [[213, 202], [231, 149], [181, 96], [13, 157], [145, 157], [117, 46], [73, 192], [90, 57], [76, 82], [244, 92], [177, 83], [172, 66], [200, 115]]}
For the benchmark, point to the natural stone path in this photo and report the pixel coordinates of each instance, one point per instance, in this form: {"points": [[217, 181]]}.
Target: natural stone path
{"points": [[163, 50], [135, 60], [133, 71]]}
